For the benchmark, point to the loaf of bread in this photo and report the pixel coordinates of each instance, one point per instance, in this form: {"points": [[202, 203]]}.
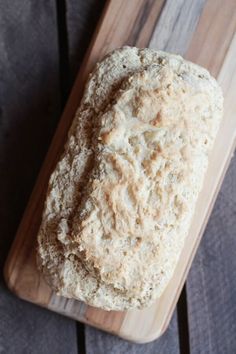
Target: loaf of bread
{"points": [[121, 199]]}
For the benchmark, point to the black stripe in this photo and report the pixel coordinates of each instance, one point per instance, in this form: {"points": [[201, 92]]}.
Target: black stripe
{"points": [[182, 312], [80, 338]]}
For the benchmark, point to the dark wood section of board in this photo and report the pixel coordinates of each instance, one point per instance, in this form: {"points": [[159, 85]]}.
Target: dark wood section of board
{"points": [[29, 111]]}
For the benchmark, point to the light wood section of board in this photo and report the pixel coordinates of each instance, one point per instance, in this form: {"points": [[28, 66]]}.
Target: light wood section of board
{"points": [[212, 44]]}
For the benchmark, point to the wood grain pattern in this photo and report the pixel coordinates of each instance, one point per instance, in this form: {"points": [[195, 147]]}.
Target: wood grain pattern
{"points": [[29, 110], [145, 23], [176, 25], [143, 325], [214, 34]]}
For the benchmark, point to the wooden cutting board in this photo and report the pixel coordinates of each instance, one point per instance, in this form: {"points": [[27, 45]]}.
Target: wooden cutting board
{"points": [[141, 23]]}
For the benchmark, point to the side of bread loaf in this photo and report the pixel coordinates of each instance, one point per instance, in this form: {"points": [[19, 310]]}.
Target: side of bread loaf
{"points": [[121, 198]]}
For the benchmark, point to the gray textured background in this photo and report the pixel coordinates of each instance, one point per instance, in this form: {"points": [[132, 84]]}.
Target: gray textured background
{"points": [[37, 67]]}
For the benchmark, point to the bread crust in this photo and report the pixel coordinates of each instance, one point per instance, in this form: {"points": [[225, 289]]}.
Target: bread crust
{"points": [[121, 199]]}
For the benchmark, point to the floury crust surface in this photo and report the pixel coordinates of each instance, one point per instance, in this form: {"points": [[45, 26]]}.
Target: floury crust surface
{"points": [[122, 196]]}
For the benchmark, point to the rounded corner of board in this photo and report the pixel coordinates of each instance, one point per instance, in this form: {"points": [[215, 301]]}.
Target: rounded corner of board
{"points": [[142, 340]]}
